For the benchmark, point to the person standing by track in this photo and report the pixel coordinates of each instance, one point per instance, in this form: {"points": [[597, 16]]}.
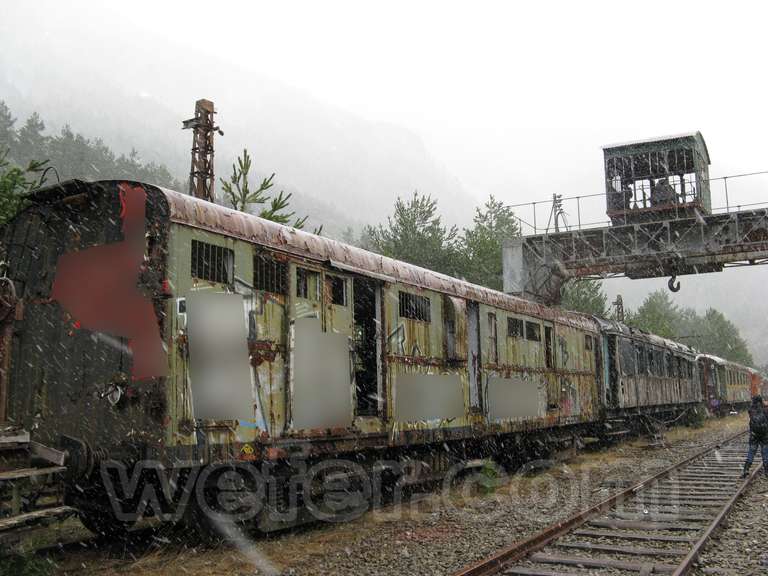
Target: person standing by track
{"points": [[758, 434]]}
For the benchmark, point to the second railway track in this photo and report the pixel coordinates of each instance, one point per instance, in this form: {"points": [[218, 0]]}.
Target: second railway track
{"points": [[658, 526]]}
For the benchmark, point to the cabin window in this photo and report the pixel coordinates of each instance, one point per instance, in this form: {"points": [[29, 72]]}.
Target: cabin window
{"points": [[212, 263], [628, 357], [306, 284], [642, 358], [587, 343], [269, 275], [548, 349], [652, 367], [533, 331], [338, 289], [449, 327], [493, 356], [514, 328], [415, 307]]}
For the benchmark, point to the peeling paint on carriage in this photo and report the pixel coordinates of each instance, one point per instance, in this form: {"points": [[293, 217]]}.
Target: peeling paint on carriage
{"points": [[190, 211]]}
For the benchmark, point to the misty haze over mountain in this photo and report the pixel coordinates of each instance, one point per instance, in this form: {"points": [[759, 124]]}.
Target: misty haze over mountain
{"points": [[455, 105]]}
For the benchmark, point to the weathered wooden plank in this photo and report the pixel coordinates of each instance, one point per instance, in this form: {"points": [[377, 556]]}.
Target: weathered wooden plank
{"points": [[656, 517], [628, 550], [29, 472], [598, 563], [633, 536], [634, 525]]}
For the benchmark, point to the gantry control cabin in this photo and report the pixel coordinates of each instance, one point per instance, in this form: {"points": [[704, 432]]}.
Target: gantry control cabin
{"points": [[657, 179]]}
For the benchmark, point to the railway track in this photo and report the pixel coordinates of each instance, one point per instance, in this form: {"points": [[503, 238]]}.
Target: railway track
{"points": [[658, 526]]}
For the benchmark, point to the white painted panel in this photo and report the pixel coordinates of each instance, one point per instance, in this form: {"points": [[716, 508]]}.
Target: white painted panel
{"points": [[428, 397], [514, 397], [322, 377], [220, 371]]}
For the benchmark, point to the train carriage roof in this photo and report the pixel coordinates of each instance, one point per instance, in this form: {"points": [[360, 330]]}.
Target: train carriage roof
{"points": [[723, 362], [190, 211], [616, 327]]}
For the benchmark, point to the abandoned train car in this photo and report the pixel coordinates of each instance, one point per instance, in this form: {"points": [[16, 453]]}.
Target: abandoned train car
{"points": [[150, 325], [727, 385], [644, 370]]}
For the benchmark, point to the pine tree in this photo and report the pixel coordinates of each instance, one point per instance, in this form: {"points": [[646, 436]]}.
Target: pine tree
{"points": [[585, 296], [7, 131], [239, 194], [415, 233], [482, 244]]}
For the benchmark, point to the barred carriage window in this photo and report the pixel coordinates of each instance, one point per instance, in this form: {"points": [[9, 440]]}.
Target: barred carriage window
{"points": [[213, 263], [415, 307], [338, 288], [269, 275], [533, 331], [514, 328]]}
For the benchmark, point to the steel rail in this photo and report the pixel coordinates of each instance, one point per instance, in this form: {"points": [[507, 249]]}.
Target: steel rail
{"points": [[519, 550]]}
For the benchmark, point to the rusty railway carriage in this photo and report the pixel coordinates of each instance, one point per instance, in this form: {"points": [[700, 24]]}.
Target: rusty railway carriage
{"points": [[727, 385], [646, 371], [150, 325]]}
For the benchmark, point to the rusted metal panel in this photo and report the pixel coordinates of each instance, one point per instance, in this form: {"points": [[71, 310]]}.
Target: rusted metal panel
{"points": [[191, 211]]}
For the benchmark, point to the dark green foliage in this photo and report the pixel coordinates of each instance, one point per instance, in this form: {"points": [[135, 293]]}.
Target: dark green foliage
{"points": [[711, 333], [75, 156], [415, 233], [24, 565], [238, 192], [7, 131], [15, 182], [481, 244], [585, 296], [657, 314]]}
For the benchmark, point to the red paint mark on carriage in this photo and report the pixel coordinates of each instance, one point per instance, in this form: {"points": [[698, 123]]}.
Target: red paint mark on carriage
{"points": [[98, 286]]}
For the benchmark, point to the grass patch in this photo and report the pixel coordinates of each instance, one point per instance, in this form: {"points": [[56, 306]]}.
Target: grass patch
{"points": [[24, 565]]}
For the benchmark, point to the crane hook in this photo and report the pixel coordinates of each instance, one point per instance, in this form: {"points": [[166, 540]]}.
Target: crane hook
{"points": [[672, 285]]}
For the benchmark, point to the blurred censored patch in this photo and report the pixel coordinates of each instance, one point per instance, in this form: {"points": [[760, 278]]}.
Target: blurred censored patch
{"points": [[98, 286], [219, 362]]}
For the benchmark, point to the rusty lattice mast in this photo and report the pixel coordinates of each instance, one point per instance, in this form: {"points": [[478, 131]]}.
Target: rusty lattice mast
{"points": [[201, 176]]}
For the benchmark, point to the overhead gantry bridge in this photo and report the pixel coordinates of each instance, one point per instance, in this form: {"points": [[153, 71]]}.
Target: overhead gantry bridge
{"points": [[661, 225]]}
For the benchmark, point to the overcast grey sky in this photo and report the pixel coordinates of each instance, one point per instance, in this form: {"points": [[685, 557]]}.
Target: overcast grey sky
{"points": [[504, 94]]}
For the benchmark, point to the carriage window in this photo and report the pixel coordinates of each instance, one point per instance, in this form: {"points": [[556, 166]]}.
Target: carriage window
{"points": [[269, 275], [493, 339], [627, 357], [415, 307], [533, 331], [587, 343], [514, 328], [338, 288], [212, 263], [642, 364], [306, 284]]}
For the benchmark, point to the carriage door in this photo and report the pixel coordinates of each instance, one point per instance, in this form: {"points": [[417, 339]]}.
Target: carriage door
{"points": [[473, 353], [366, 295]]}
